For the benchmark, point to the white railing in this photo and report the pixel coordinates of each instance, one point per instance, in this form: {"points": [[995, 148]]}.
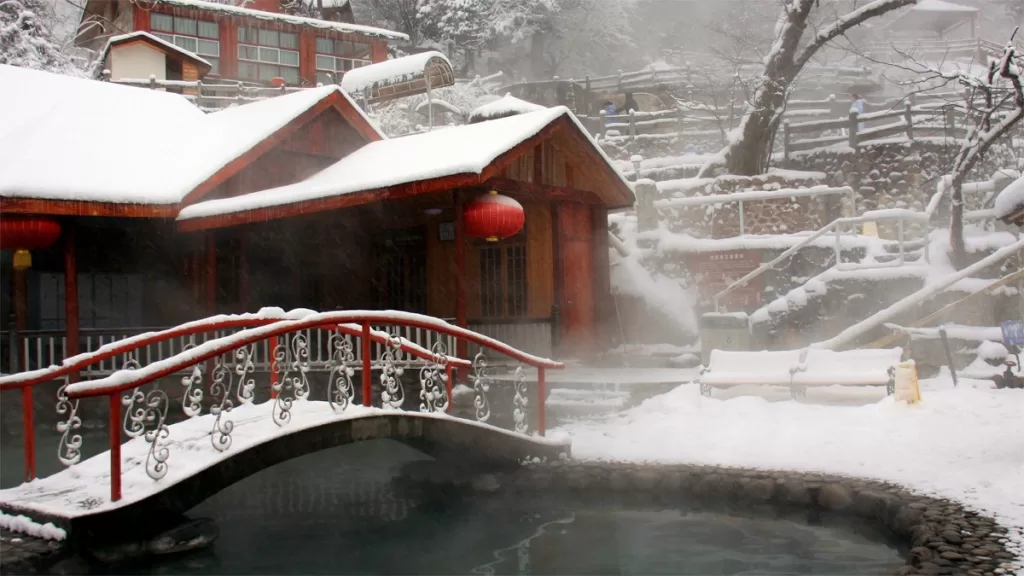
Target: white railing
{"points": [[534, 337], [758, 196]]}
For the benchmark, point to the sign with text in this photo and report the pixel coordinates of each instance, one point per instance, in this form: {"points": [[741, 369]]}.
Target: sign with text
{"points": [[1013, 333], [715, 271]]}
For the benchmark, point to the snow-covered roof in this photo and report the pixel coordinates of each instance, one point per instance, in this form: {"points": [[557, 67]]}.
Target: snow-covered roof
{"points": [[286, 18], [166, 46], [84, 140], [1010, 200], [390, 71], [468, 149], [942, 6], [506, 106], [424, 105]]}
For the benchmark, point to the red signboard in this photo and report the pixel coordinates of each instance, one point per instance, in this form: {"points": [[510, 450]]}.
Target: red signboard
{"points": [[714, 271]]}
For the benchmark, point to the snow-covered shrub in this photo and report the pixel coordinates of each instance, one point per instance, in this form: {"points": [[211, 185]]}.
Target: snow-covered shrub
{"points": [[26, 38]]}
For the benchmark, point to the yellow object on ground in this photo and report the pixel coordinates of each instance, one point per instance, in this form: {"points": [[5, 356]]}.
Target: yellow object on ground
{"points": [[906, 383]]}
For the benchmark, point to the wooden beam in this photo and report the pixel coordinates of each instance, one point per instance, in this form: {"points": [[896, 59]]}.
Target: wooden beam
{"points": [[335, 100], [542, 191], [329, 203], [17, 205], [497, 167], [70, 294]]}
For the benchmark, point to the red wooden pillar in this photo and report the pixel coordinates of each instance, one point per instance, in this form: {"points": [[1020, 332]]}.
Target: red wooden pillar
{"points": [[140, 18], [70, 295], [211, 273], [19, 293], [378, 51], [228, 48], [461, 315], [575, 269], [307, 57]]}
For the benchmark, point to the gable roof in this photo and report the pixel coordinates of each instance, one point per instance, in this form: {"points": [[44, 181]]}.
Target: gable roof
{"points": [[158, 43], [90, 147], [434, 161]]}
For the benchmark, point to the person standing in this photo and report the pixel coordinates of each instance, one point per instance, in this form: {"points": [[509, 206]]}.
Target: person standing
{"points": [[857, 105]]}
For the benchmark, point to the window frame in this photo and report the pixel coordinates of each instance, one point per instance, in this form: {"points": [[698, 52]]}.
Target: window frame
{"points": [[246, 38], [172, 36], [510, 304]]}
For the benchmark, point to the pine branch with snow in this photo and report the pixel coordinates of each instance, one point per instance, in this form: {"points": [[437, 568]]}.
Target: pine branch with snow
{"points": [[26, 38]]}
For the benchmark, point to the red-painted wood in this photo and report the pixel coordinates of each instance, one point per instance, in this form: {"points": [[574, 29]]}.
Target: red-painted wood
{"points": [[228, 48], [603, 306], [367, 387], [577, 272], [461, 312], [378, 51], [140, 18], [76, 208], [326, 320], [28, 432], [70, 295], [307, 57], [114, 424], [274, 368]]}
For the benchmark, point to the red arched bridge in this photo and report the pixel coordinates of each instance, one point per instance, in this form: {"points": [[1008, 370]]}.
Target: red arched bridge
{"points": [[169, 452]]}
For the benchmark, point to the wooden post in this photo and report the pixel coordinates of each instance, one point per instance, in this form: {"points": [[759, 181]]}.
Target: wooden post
{"points": [[114, 423], [853, 128], [646, 213], [461, 320], [603, 117], [632, 125], [908, 118], [70, 296]]}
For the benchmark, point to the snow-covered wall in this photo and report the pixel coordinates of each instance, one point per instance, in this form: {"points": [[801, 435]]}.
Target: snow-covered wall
{"points": [[137, 60]]}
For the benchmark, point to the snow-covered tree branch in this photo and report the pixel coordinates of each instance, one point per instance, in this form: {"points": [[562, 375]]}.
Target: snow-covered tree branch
{"points": [[26, 38], [750, 144]]}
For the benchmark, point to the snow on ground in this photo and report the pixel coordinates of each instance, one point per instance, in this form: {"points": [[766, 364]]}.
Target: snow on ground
{"points": [[85, 487], [25, 525], [965, 443]]}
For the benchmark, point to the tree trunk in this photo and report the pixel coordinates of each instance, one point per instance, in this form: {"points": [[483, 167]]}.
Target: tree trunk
{"points": [[538, 43], [957, 250]]}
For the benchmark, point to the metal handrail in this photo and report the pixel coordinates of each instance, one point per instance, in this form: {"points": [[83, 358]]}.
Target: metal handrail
{"points": [[877, 216]]}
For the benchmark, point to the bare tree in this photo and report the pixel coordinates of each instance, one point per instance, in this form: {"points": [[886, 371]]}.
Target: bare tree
{"points": [[1001, 97], [750, 147]]}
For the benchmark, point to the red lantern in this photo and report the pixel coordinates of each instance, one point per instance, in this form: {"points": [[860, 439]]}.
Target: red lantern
{"points": [[494, 217], [277, 82], [24, 233]]}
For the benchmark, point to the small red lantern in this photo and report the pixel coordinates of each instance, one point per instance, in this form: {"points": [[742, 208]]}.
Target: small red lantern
{"points": [[494, 217], [24, 233]]}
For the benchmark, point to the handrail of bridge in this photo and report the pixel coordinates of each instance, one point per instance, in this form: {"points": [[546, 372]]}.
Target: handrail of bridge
{"points": [[230, 380], [131, 344]]}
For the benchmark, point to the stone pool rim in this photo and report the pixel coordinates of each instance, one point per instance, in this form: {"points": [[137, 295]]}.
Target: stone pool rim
{"points": [[941, 536]]}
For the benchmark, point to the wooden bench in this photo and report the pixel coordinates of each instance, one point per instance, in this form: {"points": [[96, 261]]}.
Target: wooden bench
{"points": [[801, 369]]}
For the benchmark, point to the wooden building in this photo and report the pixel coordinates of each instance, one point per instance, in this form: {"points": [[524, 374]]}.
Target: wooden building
{"points": [[295, 201], [256, 43]]}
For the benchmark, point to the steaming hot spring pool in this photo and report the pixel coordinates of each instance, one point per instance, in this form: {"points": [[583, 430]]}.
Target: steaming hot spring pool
{"points": [[354, 510]]}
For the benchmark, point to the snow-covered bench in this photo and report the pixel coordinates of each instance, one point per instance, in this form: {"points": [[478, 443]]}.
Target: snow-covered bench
{"points": [[801, 369], [869, 367], [727, 368]]}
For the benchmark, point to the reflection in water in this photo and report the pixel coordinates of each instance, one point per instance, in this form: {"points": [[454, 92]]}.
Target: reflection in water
{"points": [[345, 511]]}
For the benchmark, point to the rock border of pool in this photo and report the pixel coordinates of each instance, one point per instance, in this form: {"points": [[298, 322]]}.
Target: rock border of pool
{"points": [[941, 535]]}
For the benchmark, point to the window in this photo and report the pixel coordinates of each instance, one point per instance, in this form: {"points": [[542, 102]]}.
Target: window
{"points": [[104, 300], [197, 36], [503, 281], [339, 56], [266, 54]]}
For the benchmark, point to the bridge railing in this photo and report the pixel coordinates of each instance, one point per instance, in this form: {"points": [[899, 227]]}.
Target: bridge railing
{"points": [[143, 349], [220, 374]]}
